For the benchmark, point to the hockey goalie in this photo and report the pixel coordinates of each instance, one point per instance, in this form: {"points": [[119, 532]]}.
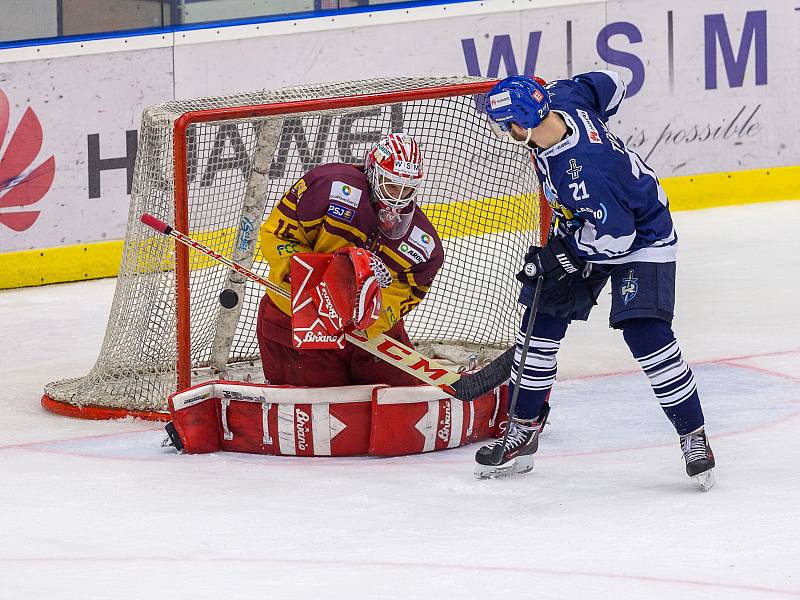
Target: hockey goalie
{"points": [[356, 252], [379, 253]]}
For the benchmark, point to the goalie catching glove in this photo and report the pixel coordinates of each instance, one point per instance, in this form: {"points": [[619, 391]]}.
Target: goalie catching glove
{"points": [[349, 294], [556, 263]]}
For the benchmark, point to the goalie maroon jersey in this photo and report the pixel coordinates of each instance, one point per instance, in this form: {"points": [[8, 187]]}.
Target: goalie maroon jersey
{"points": [[329, 208]]}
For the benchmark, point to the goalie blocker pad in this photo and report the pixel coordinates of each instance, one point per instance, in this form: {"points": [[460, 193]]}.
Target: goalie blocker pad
{"points": [[339, 421], [331, 293], [308, 330]]}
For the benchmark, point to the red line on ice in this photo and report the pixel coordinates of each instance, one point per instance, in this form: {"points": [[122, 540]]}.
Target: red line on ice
{"points": [[728, 361], [406, 565]]}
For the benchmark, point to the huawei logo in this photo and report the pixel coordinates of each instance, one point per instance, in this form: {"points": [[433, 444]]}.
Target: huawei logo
{"points": [[21, 184]]}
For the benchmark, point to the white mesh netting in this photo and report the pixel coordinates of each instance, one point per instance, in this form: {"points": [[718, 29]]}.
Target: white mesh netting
{"points": [[479, 192]]}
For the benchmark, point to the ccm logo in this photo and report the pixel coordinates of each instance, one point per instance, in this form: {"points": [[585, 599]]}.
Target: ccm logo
{"points": [[400, 354]]}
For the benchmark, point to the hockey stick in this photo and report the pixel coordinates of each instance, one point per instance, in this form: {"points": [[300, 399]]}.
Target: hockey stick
{"points": [[473, 385], [401, 356], [500, 449], [497, 372]]}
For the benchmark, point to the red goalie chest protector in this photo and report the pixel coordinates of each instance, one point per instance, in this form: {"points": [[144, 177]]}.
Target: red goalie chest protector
{"points": [[337, 421]]}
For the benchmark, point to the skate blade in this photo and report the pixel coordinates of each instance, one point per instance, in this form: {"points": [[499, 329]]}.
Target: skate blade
{"points": [[705, 481], [516, 466]]}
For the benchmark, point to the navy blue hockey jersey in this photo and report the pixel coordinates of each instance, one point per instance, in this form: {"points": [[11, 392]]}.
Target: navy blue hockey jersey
{"points": [[611, 207]]}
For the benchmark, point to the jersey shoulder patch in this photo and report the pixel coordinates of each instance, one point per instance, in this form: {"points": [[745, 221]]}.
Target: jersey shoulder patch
{"points": [[341, 213], [345, 193], [411, 253], [422, 241]]}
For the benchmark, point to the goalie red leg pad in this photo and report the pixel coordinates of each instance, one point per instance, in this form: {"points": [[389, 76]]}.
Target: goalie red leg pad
{"points": [[410, 420], [352, 440], [243, 426], [195, 415], [265, 419], [324, 429], [338, 421]]}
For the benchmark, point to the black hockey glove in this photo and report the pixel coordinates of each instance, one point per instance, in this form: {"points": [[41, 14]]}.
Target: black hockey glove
{"points": [[557, 263]]}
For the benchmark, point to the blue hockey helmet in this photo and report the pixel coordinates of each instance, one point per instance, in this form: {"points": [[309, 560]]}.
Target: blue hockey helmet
{"points": [[517, 99]]}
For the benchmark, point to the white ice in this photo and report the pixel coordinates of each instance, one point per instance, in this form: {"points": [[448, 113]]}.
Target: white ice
{"points": [[99, 510]]}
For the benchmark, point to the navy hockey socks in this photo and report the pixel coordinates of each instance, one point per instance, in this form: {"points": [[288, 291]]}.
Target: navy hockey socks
{"points": [[653, 344], [539, 371]]}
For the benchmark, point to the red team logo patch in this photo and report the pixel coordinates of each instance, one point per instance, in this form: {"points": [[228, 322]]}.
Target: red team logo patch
{"points": [[20, 184]]}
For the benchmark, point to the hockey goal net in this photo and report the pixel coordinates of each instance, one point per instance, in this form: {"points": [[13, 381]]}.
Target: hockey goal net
{"points": [[214, 167]]}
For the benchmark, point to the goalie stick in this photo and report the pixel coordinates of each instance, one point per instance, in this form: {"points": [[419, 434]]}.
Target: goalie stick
{"points": [[466, 387]]}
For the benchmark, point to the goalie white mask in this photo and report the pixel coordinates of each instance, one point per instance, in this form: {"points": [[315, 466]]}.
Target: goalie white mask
{"points": [[394, 170]]}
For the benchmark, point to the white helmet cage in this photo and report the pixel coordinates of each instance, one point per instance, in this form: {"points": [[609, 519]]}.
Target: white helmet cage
{"points": [[394, 170]]}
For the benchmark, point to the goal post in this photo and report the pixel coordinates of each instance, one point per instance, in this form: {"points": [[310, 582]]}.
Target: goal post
{"points": [[215, 167]]}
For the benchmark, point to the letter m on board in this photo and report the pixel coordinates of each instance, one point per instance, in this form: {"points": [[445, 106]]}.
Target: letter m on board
{"points": [[754, 34]]}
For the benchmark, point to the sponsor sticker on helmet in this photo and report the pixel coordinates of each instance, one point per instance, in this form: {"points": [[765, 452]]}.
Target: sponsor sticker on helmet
{"points": [[341, 213], [381, 152], [423, 241], [499, 100], [345, 193], [538, 96], [406, 167]]}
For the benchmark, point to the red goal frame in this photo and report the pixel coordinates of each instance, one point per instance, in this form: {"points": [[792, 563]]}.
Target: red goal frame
{"points": [[181, 219], [180, 157]]}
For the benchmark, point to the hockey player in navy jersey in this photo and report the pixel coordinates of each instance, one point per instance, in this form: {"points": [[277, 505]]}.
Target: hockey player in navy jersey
{"points": [[613, 223]]}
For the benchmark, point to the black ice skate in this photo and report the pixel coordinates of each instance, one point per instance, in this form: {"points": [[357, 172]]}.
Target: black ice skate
{"points": [[495, 460], [699, 458]]}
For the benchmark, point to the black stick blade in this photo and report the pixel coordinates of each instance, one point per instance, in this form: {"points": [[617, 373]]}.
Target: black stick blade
{"points": [[473, 385]]}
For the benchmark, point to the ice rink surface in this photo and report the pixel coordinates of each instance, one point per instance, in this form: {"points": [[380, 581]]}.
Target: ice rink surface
{"points": [[100, 510]]}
